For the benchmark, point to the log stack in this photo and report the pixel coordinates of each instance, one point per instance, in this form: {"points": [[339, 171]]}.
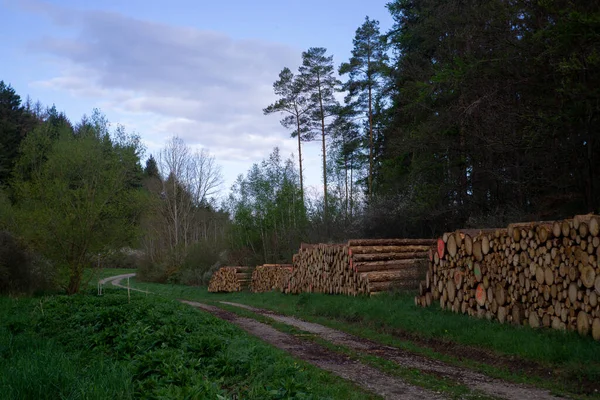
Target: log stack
{"points": [[536, 273], [366, 266], [388, 264], [323, 268], [268, 277], [230, 279]]}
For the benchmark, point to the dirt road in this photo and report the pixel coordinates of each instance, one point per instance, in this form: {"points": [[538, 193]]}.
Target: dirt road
{"points": [[367, 377], [471, 379]]}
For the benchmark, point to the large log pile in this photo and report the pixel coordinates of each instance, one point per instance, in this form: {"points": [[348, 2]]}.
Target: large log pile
{"points": [[268, 277], [230, 279], [366, 266], [536, 273]]}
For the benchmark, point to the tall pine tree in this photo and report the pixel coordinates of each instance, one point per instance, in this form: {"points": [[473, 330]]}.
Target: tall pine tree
{"points": [[317, 74], [365, 70], [293, 101]]}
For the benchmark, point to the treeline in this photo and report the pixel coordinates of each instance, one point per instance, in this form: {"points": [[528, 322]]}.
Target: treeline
{"points": [[463, 114], [475, 113]]}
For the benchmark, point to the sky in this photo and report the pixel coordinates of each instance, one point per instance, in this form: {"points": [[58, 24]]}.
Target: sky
{"points": [[201, 70]]}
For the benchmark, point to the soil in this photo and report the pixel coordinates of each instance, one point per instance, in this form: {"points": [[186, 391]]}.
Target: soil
{"points": [[367, 377], [473, 380]]}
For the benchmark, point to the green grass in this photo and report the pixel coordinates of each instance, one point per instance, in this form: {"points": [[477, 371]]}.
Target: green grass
{"points": [[90, 347], [569, 355]]}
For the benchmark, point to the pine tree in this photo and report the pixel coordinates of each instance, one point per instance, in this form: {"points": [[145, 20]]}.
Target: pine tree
{"points": [[365, 70], [151, 169], [294, 102], [320, 84]]}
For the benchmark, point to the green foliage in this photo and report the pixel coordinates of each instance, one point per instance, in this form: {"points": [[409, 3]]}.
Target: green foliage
{"points": [[268, 212], [104, 347], [79, 194]]}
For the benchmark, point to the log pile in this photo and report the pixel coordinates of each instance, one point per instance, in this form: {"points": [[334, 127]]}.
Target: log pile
{"points": [[387, 264], [323, 268], [368, 266], [230, 279], [536, 273], [268, 277]]}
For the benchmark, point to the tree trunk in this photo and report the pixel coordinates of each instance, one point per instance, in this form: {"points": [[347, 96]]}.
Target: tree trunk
{"points": [[300, 159]]}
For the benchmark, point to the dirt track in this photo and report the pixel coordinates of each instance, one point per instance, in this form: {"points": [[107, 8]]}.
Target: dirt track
{"points": [[471, 379], [367, 377]]}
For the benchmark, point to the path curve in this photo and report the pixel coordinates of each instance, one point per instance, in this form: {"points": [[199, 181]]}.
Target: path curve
{"points": [[116, 281]]}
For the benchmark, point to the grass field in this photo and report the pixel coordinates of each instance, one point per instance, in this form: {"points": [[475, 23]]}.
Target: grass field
{"points": [[390, 317], [102, 347]]}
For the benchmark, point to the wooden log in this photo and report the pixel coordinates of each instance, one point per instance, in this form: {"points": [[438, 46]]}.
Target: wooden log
{"points": [[391, 242], [391, 285], [583, 323], [389, 265], [391, 275], [387, 249], [388, 256], [534, 320], [441, 248], [588, 276], [596, 329], [451, 246], [480, 295]]}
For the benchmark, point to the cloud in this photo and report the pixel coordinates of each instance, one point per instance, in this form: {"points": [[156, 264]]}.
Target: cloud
{"points": [[205, 86]]}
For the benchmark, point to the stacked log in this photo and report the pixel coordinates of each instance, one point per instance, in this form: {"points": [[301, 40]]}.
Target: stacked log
{"points": [[389, 264], [230, 279], [268, 277], [543, 273], [366, 266], [324, 268]]}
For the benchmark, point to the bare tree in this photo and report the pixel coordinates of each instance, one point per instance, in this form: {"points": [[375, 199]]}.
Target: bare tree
{"points": [[189, 178]]}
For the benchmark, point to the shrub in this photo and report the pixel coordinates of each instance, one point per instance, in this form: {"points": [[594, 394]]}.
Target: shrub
{"points": [[22, 271]]}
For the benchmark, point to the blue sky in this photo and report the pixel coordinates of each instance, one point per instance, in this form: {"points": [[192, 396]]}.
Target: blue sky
{"points": [[202, 70]]}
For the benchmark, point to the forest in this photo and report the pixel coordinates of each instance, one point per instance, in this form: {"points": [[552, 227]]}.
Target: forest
{"points": [[463, 114]]}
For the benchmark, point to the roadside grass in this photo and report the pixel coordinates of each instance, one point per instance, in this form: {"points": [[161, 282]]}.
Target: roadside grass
{"points": [[103, 347], [573, 359]]}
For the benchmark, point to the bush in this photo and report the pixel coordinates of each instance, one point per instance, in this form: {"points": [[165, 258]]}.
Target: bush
{"points": [[201, 261], [149, 271], [124, 258], [22, 271]]}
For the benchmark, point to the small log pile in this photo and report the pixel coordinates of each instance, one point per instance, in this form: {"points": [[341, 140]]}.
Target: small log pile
{"points": [[367, 266], [536, 273], [230, 279], [268, 277]]}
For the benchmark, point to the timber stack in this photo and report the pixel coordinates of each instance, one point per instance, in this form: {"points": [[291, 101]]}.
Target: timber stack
{"points": [[367, 266], [535, 273], [268, 277], [230, 279], [389, 264]]}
